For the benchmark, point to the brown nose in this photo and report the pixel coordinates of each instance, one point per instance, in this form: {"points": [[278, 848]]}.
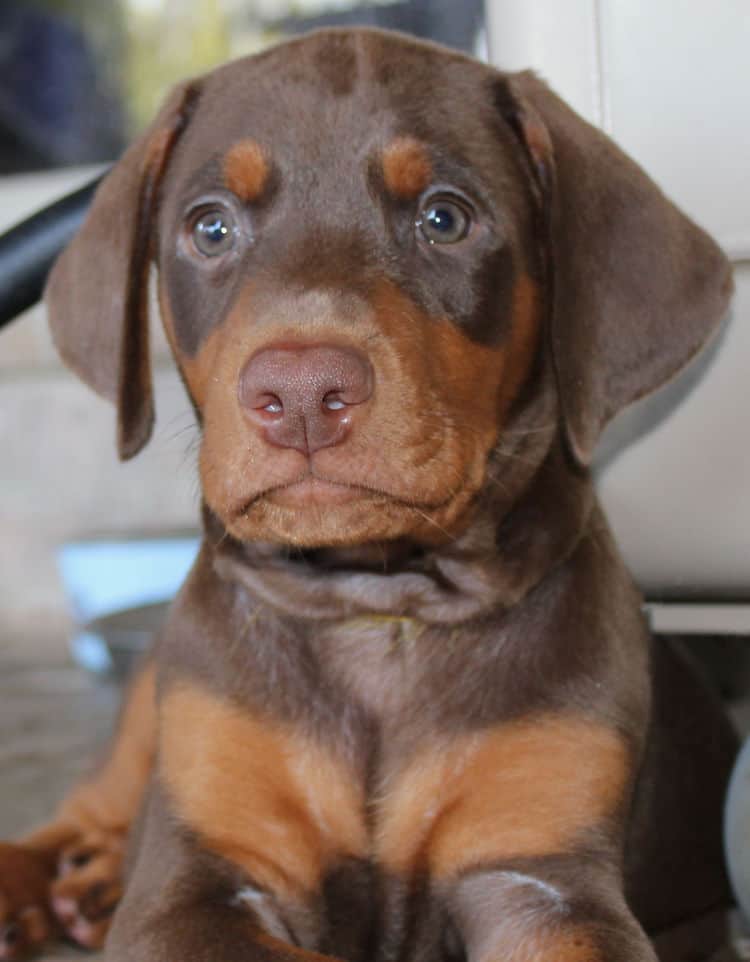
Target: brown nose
{"points": [[304, 397]]}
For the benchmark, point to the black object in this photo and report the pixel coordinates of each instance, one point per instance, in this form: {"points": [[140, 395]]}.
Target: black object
{"points": [[28, 250]]}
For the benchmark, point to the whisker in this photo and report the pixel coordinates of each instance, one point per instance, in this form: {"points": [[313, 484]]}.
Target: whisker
{"points": [[433, 522]]}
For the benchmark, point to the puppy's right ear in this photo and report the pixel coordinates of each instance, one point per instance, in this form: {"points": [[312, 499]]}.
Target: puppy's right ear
{"points": [[97, 292]]}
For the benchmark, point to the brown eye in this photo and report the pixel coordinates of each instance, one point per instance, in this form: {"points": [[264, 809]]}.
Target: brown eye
{"points": [[444, 222], [214, 232]]}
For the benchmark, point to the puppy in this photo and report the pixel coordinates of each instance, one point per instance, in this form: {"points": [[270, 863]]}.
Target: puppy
{"points": [[405, 705]]}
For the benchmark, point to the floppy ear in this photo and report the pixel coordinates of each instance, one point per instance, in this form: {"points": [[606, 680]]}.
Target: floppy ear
{"points": [[636, 287], [97, 292]]}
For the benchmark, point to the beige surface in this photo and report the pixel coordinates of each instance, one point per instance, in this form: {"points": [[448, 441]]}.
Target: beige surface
{"points": [[60, 480]]}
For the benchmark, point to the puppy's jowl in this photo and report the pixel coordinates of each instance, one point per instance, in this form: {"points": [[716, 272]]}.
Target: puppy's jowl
{"points": [[405, 706]]}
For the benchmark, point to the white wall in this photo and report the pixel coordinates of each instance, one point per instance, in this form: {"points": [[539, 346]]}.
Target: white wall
{"points": [[670, 81]]}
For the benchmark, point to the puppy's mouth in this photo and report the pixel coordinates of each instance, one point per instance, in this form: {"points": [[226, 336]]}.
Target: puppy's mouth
{"points": [[312, 510], [312, 491]]}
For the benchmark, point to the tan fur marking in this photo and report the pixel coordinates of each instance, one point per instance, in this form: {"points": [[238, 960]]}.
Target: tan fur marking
{"points": [[196, 370], [269, 800], [199, 370], [524, 789], [246, 170], [285, 950], [406, 167], [569, 945]]}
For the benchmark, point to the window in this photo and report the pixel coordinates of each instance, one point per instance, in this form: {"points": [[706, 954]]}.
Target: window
{"points": [[79, 77]]}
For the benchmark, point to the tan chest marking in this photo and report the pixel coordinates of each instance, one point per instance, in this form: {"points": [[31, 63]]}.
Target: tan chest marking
{"points": [[523, 789], [285, 809], [264, 797]]}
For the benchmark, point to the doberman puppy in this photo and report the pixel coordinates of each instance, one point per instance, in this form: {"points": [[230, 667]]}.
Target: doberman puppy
{"points": [[406, 706]]}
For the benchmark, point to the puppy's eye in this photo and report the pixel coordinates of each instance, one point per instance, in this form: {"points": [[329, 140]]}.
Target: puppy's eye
{"points": [[444, 222], [214, 232]]}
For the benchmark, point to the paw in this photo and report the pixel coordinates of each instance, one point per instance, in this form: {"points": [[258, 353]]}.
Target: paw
{"points": [[25, 918], [88, 887]]}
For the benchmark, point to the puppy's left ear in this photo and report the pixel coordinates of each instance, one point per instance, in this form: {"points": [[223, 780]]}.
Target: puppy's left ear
{"points": [[636, 287], [97, 292]]}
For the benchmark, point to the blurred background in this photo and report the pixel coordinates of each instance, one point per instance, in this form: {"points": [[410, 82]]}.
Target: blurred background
{"points": [[79, 77]]}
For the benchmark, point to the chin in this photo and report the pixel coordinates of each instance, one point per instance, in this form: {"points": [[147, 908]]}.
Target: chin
{"points": [[345, 518]]}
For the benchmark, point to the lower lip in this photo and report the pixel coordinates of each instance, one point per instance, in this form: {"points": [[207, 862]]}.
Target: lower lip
{"points": [[313, 491]]}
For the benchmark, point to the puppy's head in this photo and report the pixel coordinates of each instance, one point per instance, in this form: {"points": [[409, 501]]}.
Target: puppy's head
{"points": [[372, 255]]}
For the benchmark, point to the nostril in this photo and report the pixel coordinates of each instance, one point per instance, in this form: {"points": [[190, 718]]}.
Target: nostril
{"points": [[333, 402], [11, 934], [273, 405], [264, 402]]}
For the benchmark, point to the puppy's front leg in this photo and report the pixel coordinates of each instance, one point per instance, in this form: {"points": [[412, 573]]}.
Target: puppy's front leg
{"points": [[201, 930], [523, 839], [554, 909], [184, 902]]}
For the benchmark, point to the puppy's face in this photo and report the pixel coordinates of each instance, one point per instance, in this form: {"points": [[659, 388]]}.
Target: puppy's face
{"points": [[349, 278], [359, 238]]}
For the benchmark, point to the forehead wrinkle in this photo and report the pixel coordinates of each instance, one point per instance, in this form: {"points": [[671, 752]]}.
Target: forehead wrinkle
{"points": [[246, 169], [407, 168]]}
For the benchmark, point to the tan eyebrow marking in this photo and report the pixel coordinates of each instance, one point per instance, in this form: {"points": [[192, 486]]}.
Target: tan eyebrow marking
{"points": [[247, 169], [406, 167]]}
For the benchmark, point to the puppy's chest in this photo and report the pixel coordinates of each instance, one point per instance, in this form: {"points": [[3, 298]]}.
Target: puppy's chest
{"points": [[289, 803], [293, 809]]}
